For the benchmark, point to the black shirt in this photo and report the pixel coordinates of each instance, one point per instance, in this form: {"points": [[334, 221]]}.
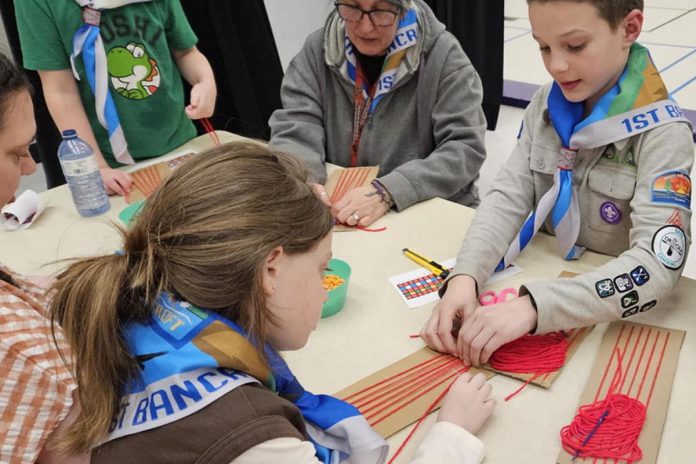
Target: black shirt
{"points": [[371, 66]]}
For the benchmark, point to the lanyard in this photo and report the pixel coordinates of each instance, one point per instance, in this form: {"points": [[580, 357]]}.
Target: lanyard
{"points": [[361, 110]]}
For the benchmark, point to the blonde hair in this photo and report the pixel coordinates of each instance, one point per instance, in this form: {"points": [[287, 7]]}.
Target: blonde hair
{"points": [[203, 236]]}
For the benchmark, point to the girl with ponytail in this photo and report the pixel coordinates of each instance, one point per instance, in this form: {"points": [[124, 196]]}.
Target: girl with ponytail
{"points": [[175, 338]]}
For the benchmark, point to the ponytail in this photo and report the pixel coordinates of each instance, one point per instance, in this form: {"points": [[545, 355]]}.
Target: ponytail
{"points": [[93, 298]]}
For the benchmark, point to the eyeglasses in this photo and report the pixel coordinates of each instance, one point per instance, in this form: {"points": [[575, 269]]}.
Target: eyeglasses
{"points": [[354, 14]]}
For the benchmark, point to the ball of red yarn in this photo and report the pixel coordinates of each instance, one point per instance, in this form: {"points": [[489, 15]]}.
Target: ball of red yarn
{"points": [[616, 437], [537, 354]]}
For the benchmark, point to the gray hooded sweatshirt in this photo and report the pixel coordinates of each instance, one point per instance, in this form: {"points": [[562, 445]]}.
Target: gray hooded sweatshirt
{"points": [[426, 135]]}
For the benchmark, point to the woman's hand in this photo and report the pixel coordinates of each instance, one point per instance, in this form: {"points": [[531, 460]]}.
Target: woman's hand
{"points": [[360, 207]]}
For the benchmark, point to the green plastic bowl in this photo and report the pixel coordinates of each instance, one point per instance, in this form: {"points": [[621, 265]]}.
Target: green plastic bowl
{"points": [[337, 296], [128, 214]]}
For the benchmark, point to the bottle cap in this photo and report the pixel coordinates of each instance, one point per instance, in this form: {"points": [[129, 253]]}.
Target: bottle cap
{"points": [[68, 133]]}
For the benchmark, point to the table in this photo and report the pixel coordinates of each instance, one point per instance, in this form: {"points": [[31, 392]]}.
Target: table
{"points": [[372, 330]]}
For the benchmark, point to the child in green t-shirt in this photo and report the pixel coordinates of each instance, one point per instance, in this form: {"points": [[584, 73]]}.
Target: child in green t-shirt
{"points": [[144, 47]]}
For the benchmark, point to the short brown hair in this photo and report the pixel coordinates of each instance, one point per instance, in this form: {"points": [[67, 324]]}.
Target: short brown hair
{"points": [[613, 11], [204, 237], [12, 81]]}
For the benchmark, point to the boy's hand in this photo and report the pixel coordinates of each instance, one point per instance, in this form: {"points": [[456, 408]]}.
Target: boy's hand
{"points": [[116, 181], [458, 302], [202, 104], [490, 327], [468, 403]]}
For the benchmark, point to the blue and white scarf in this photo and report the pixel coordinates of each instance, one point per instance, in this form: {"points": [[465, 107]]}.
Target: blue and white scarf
{"points": [[406, 37], [190, 357], [87, 42], [637, 103]]}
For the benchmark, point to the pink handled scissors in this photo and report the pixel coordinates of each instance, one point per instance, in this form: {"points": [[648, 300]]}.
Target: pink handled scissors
{"points": [[489, 297]]}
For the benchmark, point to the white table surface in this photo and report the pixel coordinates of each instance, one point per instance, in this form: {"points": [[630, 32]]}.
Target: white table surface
{"points": [[372, 330]]}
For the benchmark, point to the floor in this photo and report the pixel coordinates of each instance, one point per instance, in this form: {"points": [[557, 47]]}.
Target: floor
{"points": [[668, 31]]}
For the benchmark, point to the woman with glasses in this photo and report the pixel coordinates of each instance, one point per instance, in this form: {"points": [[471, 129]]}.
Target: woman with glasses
{"points": [[383, 83]]}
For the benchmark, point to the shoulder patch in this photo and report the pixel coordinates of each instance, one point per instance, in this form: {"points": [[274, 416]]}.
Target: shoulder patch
{"points": [[673, 188], [669, 245], [630, 312]]}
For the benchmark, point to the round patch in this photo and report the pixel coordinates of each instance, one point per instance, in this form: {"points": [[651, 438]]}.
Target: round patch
{"points": [[610, 212], [669, 245]]}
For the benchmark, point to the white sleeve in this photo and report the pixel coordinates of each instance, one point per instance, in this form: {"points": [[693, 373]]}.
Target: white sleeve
{"points": [[448, 443], [284, 449]]}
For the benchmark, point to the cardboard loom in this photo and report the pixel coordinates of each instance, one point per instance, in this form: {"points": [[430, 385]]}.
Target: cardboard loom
{"points": [[393, 414], [650, 356], [576, 336], [146, 180], [341, 181]]}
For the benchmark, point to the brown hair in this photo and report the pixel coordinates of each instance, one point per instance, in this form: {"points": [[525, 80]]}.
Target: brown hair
{"points": [[612, 11], [203, 236], [12, 80]]}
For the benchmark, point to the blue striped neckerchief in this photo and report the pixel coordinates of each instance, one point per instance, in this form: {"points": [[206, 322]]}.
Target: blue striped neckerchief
{"points": [[189, 357], [87, 42]]}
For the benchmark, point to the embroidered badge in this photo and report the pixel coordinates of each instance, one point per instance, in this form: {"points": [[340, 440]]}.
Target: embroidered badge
{"points": [[629, 299], [623, 283], [610, 212], [630, 312], [675, 219], [640, 275], [604, 288], [648, 306], [673, 187], [669, 245]]}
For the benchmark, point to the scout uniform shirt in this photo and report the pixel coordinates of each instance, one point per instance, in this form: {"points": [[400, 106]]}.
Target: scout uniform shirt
{"points": [[144, 80], [634, 198]]}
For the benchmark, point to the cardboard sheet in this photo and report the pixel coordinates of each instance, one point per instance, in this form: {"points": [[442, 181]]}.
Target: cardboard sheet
{"points": [[650, 356], [411, 402], [147, 179]]}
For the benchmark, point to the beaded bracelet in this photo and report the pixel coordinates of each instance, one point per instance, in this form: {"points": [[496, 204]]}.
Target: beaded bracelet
{"points": [[384, 194]]}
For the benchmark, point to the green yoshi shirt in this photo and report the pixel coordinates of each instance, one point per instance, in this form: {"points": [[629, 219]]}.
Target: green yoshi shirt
{"points": [[145, 82]]}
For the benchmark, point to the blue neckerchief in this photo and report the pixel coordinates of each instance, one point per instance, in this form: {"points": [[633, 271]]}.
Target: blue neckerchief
{"points": [[406, 36], [190, 357]]}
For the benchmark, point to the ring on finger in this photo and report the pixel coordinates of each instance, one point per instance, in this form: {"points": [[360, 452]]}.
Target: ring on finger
{"points": [[355, 216]]}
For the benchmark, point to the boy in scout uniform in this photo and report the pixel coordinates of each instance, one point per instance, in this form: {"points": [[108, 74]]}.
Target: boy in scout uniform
{"points": [[602, 162]]}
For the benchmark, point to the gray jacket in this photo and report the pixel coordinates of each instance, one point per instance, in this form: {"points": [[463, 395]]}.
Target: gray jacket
{"points": [[620, 216], [426, 135]]}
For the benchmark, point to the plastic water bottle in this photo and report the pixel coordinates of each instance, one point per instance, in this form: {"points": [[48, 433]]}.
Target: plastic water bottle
{"points": [[81, 171]]}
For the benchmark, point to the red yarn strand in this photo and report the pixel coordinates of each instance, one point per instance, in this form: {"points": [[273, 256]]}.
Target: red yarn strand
{"points": [[414, 392], [425, 414], [350, 398], [399, 390]]}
